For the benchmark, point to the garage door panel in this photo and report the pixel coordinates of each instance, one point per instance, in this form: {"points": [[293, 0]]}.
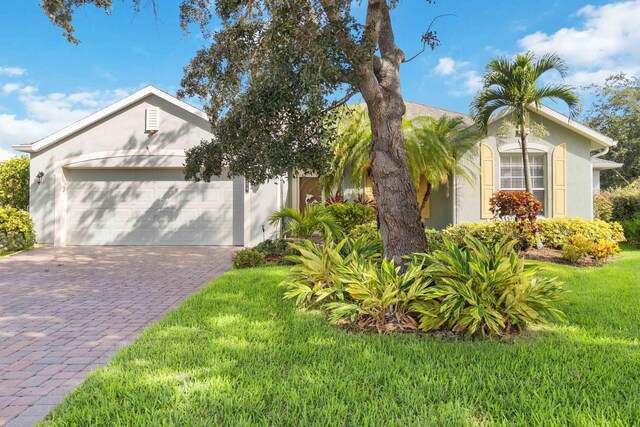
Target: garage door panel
{"points": [[149, 207]]}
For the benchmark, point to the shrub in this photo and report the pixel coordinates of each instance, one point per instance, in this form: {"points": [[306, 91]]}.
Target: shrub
{"points": [[555, 232], [350, 215], [315, 276], [248, 258], [378, 296], [14, 183], [274, 251], [518, 205], [484, 289], [370, 229], [632, 230], [602, 206], [625, 202], [489, 233], [16, 230], [473, 289], [577, 248], [435, 240], [580, 247]]}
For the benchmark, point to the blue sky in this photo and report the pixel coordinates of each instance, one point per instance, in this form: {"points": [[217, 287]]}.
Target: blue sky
{"points": [[47, 83]]}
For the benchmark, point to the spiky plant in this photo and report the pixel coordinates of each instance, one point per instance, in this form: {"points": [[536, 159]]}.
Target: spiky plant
{"points": [[303, 225]]}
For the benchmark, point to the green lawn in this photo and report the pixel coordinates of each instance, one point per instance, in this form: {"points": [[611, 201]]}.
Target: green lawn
{"points": [[237, 354]]}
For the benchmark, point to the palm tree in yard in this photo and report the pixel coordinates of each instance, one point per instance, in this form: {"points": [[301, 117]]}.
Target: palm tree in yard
{"points": [[514, 84], [435, 149]]}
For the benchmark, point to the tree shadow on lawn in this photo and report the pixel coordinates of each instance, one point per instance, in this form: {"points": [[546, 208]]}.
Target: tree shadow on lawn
{"points": [[236, 353]]}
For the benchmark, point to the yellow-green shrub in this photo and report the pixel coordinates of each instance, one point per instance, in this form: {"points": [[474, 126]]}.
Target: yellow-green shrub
{"points": [[555, 232], [16, 230], [488, 232]]}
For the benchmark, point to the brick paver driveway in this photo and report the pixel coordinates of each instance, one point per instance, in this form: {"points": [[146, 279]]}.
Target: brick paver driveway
{"points": [[64, 311]]}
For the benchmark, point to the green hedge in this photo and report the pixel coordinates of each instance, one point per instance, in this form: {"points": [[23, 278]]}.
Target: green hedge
{"points": [[554, 232], [16, 230], [14, 182], [625, 202], [350, 215]]}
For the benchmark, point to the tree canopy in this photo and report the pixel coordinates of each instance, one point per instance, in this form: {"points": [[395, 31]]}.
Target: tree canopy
{"points": [[616, 113], [272, 77], [14, 182]]}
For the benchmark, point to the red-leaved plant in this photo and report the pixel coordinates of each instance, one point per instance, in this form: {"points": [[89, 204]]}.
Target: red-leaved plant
{"points": [[520, 206]]}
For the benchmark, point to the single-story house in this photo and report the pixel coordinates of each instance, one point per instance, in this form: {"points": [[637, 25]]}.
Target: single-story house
{"points": [[115, 178]]}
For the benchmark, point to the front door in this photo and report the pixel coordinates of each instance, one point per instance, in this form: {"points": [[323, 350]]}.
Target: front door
{"points": [[310, 192]]}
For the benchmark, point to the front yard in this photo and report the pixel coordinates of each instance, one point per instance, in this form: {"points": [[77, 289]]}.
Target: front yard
{"points": [[236, 353]]}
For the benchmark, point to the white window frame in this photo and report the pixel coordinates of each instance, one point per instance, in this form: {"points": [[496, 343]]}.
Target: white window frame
{"points": [[534, 188]]}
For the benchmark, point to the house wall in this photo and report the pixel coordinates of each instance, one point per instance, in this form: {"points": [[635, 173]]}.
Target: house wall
{"points": [[441, 209], [120, 141], [596, 180], [579, 170]]}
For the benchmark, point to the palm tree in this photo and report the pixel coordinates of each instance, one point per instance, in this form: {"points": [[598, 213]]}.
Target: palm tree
{"points": [[350, 149], [514, 84], [303, 225], [436, 149]]}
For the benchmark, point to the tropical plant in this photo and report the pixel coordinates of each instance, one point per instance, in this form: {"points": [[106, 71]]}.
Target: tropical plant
{"points": [[379, 296], [315, 276], [514, 85], [436, 150], [303, 225], [520, 206], [14, 182], [484, 290]]}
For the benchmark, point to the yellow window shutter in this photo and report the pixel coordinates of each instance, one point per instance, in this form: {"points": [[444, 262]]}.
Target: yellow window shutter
{"points": [[559, 190], [368, 187], [426, 212], [487, 174]]}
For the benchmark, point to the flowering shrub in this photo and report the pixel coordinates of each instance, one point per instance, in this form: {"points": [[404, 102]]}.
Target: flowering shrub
{"points": [[16, 230]]}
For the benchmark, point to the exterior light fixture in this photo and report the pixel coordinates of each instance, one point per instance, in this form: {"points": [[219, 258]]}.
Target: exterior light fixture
{"points": [[39, 177]]}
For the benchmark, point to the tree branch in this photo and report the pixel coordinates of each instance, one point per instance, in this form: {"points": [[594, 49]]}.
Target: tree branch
{"points": [[429, 38]]}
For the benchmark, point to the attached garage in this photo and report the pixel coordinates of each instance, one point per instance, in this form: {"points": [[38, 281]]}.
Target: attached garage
{"points": [[116, 178], [151, 207]]}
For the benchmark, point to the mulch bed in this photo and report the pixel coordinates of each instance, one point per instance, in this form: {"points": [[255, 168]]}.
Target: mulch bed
{"points": [[555, 256]]}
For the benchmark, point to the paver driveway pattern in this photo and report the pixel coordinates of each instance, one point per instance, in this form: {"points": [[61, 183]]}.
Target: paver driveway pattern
{"points": [[64, 311]]}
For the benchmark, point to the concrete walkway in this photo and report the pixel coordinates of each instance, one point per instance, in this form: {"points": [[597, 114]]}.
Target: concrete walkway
{"points": [[65, 311]]}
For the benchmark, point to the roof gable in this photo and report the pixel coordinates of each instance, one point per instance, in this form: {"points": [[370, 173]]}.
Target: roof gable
{"points": [[106, 112], [596, 138]]}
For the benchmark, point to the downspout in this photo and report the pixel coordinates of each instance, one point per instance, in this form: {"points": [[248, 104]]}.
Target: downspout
{"points": [[600, 153]]}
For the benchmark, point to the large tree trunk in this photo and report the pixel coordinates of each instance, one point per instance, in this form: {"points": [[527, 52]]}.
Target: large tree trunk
{"points": [[393, 188]]}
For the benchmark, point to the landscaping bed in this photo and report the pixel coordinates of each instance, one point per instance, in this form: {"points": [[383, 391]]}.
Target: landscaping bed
{"points": [[236, 353]]}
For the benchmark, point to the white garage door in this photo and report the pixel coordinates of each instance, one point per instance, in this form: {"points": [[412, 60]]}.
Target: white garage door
{"points": [[151, 207]]}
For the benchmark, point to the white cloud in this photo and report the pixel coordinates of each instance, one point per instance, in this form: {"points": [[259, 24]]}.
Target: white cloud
{"points": [[445, 66], [5, 155], [10, 87], [460, 76], [48, 113], [472, 81], [606, 42], [12, 71]]}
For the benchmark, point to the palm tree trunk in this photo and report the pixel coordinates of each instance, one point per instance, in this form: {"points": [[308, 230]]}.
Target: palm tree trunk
{"points": [[527, 176], [525, 160]]}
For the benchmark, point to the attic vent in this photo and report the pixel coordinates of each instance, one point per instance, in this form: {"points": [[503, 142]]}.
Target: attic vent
{"points": [[152, 119]]}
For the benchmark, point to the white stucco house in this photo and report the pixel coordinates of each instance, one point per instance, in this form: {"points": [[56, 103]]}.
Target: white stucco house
{"points": [[115, 178]]}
